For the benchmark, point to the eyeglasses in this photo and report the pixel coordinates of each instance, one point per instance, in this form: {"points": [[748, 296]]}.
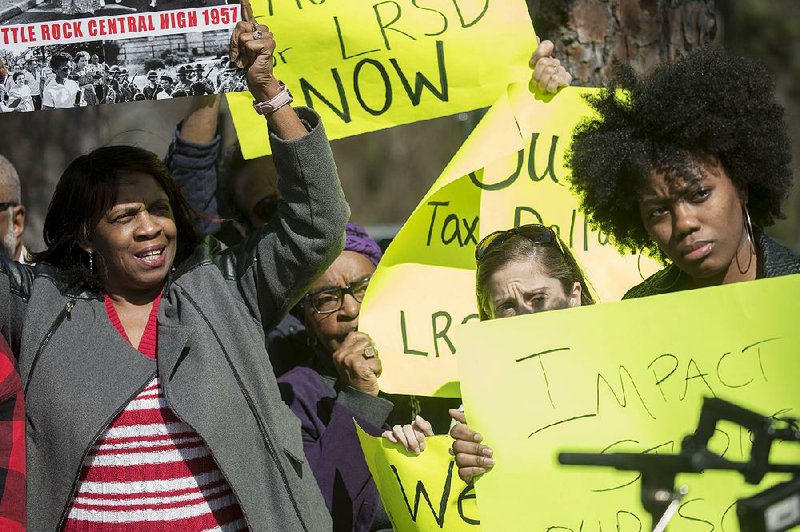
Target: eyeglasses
{"points": [[6, 204], [536, 233], [330, 300]]}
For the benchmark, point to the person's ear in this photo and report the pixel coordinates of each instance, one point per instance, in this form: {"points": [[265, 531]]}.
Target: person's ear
{"points": [[574, 298], [742, 192], [84, 242], [18, 221], [306, 313]]}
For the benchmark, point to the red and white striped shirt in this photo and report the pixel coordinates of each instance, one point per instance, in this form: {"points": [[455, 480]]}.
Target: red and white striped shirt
{"points": [[149, 470]]}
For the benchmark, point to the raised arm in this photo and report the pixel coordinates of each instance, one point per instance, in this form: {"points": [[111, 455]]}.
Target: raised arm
{"points": [[192, 160], [278, 262], [252, 48]]}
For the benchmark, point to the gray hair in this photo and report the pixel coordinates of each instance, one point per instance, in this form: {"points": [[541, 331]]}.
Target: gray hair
{"points": [[9, 177]]}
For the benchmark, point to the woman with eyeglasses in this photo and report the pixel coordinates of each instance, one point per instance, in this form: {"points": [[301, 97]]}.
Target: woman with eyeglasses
{"points": [[523, 270], [327, 369], [689, 167], [341, 383]]}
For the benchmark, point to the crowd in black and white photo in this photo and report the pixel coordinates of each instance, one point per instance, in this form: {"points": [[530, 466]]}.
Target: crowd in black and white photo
{"points": [[38, 80]]}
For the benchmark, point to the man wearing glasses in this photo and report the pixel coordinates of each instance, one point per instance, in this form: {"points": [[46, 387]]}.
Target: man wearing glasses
{"points": [[62, 92], [12, 212]]}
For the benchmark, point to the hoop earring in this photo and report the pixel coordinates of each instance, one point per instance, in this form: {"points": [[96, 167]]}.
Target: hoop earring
{"points": [[673, 283], [748, 225], [748, 229], [639, 265]]}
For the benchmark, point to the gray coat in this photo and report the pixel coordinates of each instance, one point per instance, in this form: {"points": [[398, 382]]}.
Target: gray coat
{"points": [[79, 373]]}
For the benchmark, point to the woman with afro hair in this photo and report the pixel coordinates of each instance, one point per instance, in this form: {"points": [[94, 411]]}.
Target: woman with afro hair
{"points": [[688, 164]]}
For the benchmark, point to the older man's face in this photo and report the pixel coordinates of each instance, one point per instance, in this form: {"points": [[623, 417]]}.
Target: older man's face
{"points": [[9, 242]]}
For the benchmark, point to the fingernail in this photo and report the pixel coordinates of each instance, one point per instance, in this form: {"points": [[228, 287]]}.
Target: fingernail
{"points": [[488, 462], [486, 451], [477, 437]]}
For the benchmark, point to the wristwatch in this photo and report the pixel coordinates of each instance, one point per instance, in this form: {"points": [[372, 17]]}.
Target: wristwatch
{"points": [[273, 104]]}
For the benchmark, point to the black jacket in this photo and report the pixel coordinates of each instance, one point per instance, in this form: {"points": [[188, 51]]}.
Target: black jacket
{"points": [[774, 260]]}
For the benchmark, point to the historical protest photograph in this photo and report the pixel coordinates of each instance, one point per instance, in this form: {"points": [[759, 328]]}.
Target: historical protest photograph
{"points": [[79, 54], [410, 265]]}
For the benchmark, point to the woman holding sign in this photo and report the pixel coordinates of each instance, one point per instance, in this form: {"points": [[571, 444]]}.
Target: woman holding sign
{"points": [[689, 166], [150, 400], [519, 271]]}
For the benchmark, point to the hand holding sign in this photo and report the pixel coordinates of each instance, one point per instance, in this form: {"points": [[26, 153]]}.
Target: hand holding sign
{"points": [[243, 27], [411, 436], [548, 74], [420, 491], [472, 458]]}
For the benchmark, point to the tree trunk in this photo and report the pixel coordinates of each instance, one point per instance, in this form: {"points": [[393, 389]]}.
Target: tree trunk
{"points": [[769, 32], [589, 35]]}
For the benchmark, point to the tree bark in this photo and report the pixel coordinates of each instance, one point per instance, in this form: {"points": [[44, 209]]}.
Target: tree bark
{"points": [[589, 35]]}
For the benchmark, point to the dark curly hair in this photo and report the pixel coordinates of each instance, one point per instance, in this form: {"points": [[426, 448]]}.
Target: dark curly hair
{"points": [[705, 106]]}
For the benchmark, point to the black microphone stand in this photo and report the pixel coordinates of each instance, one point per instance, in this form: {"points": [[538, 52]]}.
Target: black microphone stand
{"points": [[658, 471]]}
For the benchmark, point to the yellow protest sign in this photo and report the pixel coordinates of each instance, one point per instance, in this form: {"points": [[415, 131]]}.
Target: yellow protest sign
{"points": [[509, 172], [369, 65], [420, 492], [626, 377]]}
